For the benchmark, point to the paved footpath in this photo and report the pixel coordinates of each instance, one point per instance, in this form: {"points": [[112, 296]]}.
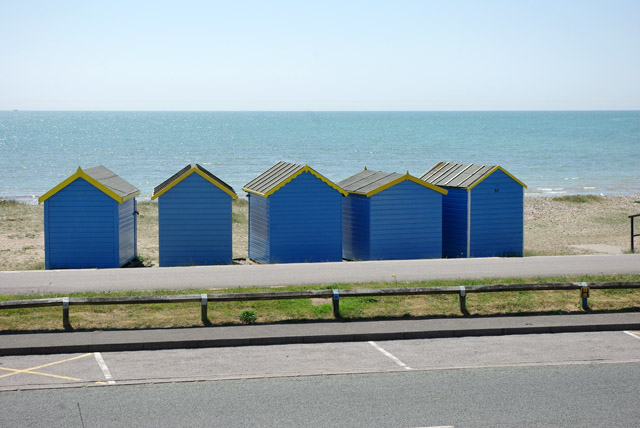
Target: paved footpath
{"points": [[312, 332], [212, 277]]}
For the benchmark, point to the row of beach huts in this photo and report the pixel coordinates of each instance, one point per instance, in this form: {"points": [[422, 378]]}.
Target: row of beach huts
{"points": [[295, 215]]}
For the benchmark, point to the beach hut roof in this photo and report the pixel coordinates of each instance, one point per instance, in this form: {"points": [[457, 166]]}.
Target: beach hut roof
{"points": [[102, 178], [279, 175], [368, 182], [187, 171], [462, 175]]}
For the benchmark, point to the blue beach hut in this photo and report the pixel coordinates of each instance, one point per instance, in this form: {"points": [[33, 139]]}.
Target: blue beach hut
{"points": [[388, 216], [194, 218], [90, 221], [483, 213], [295, 216]]}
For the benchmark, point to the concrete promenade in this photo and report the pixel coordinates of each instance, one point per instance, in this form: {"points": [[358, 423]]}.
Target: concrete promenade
{"points": [[213, 277]]}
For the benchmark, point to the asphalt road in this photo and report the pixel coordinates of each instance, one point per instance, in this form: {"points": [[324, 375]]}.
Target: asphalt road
{"points": [[212, 277], [578, 380], [544, 396]]}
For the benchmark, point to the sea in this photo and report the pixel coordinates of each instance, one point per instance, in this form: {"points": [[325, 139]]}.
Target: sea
{"points": [[553, 153]]}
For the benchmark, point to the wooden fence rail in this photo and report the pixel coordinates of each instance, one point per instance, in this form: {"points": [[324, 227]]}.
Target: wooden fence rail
{"points": [[334, 295]]}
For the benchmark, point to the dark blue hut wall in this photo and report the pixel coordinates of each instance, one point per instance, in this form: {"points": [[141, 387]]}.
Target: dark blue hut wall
{"points": [[80, 228], [259, 244], [355, 227], [406, 223], [497, 217], [194, 221], [306, 222], [454, 223], [127, 234]]}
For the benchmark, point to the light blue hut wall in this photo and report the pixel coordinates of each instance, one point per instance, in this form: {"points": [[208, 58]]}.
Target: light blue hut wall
{"points": [[259, 228], [305, 222], [194, 224], [127, 231], [81, 228], [406, 223], [497, 217], [454, 223], [355, 227]]}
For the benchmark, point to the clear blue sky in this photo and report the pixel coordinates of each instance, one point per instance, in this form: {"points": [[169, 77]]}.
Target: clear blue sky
{"points": [[320, 55]]}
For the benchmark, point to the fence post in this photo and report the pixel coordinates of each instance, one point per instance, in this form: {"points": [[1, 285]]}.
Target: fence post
{"points": [[463, 300], [633, 235], [65, 314], [336, 304], [203, 309], [584, 294]]}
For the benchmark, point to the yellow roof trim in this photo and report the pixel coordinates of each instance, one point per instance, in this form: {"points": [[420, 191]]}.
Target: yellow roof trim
{"points": [[244, 189], [406, 177], [306, 168], [494, 169], [201, 174], [128, 198], [81, 174]]}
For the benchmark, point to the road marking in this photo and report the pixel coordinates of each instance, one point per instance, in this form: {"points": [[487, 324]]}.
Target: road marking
{"points": [[15, 372], [632, 334], [31, 370], [105, 369], [388, 354], [441, 426]]}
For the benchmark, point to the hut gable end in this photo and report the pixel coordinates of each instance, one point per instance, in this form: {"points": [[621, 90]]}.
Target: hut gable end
{"points": [[295, 216], [305, 208], [405, 223], [194, 219], [81, 228], [496, 220], [389, 216], [90, 221]]}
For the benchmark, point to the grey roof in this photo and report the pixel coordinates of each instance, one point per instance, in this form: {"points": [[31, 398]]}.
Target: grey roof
{"points": [[178, 174], [110, 180], [271, 178], [366, 181], [453, 174]]}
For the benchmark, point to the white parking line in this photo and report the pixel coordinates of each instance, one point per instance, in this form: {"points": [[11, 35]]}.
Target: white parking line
{"points": [[443, 426], [633, 335], [388, 354], [105, 369]]}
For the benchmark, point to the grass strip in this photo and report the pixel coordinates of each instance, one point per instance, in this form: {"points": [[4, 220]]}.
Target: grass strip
{"points": [[173, 315]]}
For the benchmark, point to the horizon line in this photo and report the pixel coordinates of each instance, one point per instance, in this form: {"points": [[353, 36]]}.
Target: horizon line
{"points": [[321, 111]]}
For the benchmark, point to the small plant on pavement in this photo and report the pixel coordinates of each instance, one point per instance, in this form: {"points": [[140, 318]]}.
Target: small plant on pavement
{"points": [[248, 316]]}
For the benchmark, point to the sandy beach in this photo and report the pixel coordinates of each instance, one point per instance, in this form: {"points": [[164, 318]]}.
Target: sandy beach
{"points": [[553, 226]]}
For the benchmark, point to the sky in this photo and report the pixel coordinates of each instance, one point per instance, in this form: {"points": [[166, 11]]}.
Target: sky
{"points": [[320, 55]]}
